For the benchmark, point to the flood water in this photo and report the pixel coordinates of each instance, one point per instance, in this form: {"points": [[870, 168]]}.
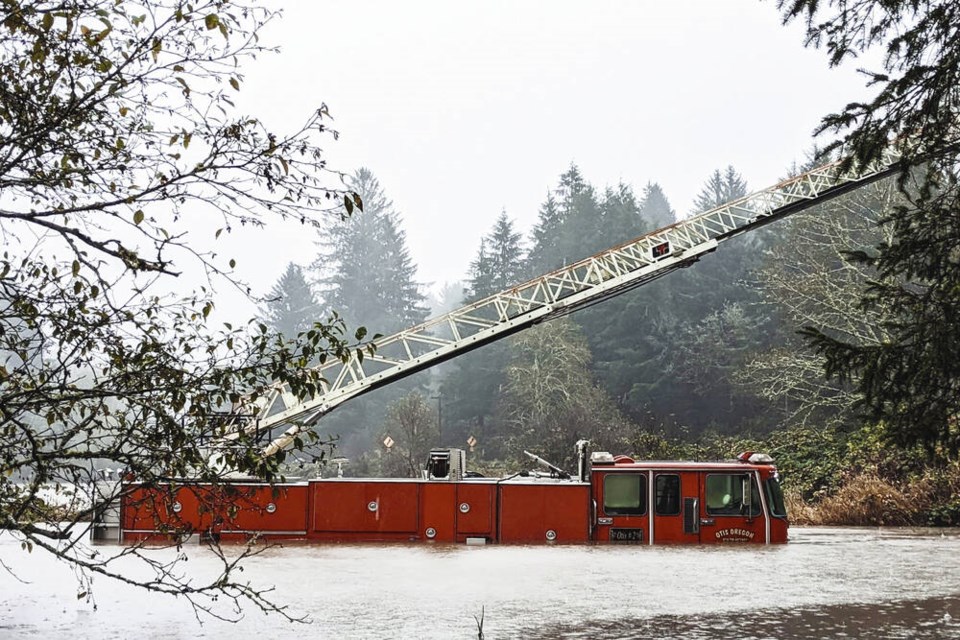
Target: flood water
{"points": [[825, 583]]}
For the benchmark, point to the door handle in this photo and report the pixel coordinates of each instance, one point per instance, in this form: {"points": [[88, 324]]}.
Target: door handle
{"points": [[707, 522]]}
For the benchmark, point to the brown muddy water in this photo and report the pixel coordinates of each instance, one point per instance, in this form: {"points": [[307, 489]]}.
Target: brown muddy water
{"points": [[825, 583]]}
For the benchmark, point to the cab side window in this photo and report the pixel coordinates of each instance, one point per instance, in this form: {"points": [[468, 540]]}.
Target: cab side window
{"points": [[667, 489], [625, 494], [727, 495]]}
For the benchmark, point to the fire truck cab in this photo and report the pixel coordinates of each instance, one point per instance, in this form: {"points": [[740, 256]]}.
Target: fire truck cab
{"points": [[667, 502]]}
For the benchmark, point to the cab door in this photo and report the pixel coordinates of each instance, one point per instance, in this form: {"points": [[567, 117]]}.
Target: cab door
{"points": [[672, 490], [622, 498], [731, 508]]}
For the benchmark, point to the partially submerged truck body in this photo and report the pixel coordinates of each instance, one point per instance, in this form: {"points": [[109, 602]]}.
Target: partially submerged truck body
{"points": [[613, 499]]}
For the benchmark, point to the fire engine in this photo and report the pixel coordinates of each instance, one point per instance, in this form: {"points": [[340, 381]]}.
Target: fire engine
{"points": [[610, 498]]}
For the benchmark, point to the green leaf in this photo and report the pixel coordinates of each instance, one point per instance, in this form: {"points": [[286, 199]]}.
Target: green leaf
{"points": [[212, 21], [137, 218], [348, 204], [76, 267], [235, 84]]}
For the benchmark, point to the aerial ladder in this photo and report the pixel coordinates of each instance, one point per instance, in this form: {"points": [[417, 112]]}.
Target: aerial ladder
{"points": [[575, 286]]}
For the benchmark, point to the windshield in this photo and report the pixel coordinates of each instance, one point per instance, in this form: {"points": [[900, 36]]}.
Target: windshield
{"points": [[775, 496]]}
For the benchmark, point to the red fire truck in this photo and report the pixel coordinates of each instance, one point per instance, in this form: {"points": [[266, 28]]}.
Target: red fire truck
{"points": [[610, 499]]}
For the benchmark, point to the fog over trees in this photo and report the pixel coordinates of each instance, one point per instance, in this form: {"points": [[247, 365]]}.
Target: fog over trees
{"points": [[709, 350]]}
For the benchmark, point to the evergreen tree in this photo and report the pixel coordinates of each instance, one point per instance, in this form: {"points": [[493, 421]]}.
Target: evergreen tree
{"points": [[506, 252], [708, 356], [706, 290], [291, 306], [366, 275], [625, 334], [621, 218], [480, 279], [545, 238], [707, 302], [569, 227], [911, 381], [499, 262], [617, 331], [655, 208], [364, 269], [681, 382], [720, 189], [472, 389]]}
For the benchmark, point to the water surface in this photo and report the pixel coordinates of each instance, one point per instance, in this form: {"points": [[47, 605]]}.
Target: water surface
{"points": [[842, 583]]}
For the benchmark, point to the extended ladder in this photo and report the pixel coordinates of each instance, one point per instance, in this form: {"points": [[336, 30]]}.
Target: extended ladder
{"points": [[586, 282]]}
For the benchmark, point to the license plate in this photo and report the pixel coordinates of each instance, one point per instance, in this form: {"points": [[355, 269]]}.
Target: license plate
{"points": [[626, 535]]}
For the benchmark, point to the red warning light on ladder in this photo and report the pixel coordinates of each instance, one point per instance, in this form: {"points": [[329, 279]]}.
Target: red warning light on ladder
{"points": [[660, 250]]}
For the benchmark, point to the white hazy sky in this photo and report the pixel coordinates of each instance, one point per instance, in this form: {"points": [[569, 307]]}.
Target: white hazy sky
{"points": [[463, 109]]}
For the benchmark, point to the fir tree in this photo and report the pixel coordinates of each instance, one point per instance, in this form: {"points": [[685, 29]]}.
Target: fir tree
{"points": [[472, 389], [655, 208], [291, 306], [569, 226], [545, 238], [365, 270], [367, 276], [499, 262], [720, 189], [480, 280]]}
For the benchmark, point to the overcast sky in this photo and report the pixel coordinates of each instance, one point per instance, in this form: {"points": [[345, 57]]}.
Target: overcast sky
{"points": [[463, 109]]}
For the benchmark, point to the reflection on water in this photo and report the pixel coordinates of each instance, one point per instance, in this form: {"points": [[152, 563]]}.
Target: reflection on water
{"points": [[842, 583]]}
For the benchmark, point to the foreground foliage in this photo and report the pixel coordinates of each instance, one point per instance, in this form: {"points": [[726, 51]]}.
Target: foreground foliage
{"points": [[911, 380], [122, 159]]}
